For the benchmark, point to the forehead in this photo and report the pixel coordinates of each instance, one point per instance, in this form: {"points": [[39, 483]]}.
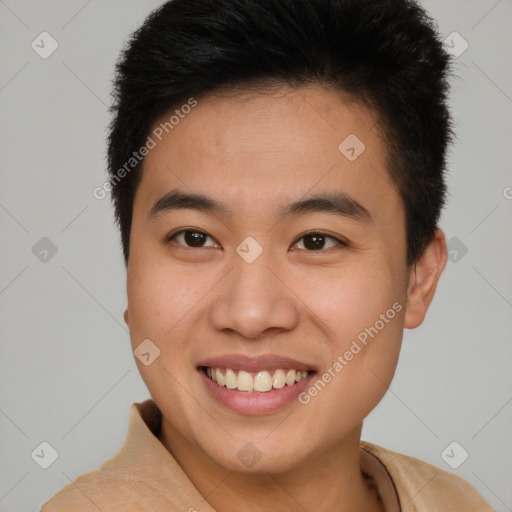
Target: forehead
{"points": [[266, 147]]}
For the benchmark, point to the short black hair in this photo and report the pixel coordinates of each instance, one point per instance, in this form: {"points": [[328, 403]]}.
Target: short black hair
{"points": [[386, 53]]}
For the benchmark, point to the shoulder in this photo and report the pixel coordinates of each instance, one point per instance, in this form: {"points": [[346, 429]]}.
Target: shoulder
{"points": [[104, 489], [424, 487], [94, 491], [108, 492], [85, 493]]}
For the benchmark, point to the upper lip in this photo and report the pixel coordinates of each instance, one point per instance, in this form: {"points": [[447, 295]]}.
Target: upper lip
{"points": [[253, 363]]}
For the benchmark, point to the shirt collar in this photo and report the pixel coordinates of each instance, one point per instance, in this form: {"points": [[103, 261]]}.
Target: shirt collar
{"points": [[144, 457]]}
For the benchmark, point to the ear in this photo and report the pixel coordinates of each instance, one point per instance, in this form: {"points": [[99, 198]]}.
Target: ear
{"points": [[423, 279], [125, 316]]}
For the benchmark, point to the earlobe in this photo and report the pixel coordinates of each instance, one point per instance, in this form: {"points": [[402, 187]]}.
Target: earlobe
{"points": [[423, 280]]}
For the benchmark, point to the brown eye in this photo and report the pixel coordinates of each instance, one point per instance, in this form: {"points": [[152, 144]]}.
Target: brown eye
{"points": [[191, 238], [318, 241], [314, 242]]}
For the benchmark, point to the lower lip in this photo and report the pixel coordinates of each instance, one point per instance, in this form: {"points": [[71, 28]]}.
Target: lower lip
{"points": [[255, 403]]}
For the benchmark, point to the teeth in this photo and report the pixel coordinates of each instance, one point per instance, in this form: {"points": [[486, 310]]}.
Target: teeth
{"points": [[290, 377], [219, 377], [262, 382], [279, 379], [245, 382], [230, 379]]}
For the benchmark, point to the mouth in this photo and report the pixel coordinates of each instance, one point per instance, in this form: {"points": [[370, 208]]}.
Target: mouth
{"points": [[261, 381], [255, 385]]}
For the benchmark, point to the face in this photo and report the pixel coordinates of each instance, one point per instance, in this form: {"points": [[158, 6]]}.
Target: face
{"points": [[293, 258]]}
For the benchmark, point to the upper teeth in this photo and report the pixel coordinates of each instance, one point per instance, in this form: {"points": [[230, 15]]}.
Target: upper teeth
{"points": [[262, 380]]}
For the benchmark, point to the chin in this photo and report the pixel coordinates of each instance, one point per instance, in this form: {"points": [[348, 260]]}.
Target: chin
{"points": [[257, 457]]}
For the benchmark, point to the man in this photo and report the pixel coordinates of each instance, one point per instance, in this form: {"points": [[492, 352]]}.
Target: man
{"points": [[277, 174]]}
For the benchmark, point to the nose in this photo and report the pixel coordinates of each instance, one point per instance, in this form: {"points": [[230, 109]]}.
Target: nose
{"points": [[254, 301]]}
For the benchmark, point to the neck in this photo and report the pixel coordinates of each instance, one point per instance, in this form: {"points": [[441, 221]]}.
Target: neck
{"points": [[328, 480]]}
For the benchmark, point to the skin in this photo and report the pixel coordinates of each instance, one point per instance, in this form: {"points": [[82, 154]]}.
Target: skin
{"points": [[255, 153]]}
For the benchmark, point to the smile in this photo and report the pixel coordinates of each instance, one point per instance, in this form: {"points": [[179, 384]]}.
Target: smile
{"points": [[261, 381]]}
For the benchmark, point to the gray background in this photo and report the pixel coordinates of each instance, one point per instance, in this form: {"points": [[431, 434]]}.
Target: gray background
{"points": [[67, 373]]}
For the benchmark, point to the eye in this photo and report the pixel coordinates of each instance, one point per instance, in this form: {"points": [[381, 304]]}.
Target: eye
{"points": [[191, 238], [316, 241]]}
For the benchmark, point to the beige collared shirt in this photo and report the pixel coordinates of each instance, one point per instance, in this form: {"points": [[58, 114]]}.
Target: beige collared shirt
{"points": [[145, 477]]}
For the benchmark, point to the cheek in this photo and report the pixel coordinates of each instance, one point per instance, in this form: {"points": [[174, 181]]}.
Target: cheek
{"points": [[363, 353], [350, 299], [159, 298], [161, 308], [362, 314]]}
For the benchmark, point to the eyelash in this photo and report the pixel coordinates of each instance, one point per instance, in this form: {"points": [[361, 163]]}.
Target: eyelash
{"points": [[341, 243]]}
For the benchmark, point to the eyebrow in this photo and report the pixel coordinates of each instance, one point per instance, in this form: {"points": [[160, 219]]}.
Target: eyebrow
{"points": [[336, 202], [176, 199]]}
